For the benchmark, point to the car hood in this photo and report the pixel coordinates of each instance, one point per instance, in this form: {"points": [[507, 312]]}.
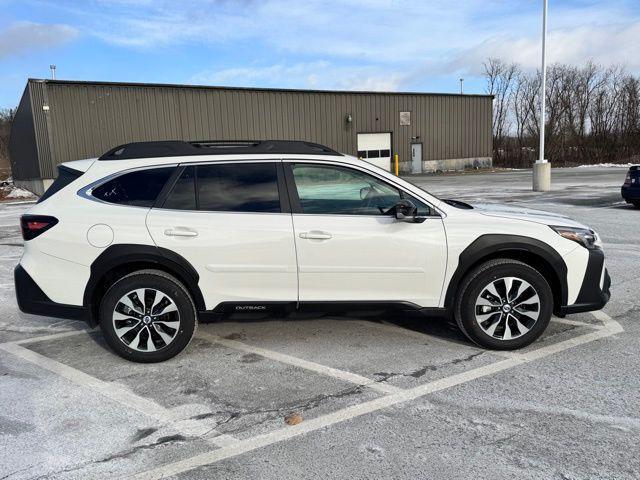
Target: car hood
{"points": [[531, 215]]}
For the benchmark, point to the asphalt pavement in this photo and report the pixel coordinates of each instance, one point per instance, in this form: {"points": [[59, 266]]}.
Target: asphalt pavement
{"points": [[375, 396]]}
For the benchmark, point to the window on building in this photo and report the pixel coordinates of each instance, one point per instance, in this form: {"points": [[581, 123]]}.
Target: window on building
{"points": [[342, 191], [139, 188]]}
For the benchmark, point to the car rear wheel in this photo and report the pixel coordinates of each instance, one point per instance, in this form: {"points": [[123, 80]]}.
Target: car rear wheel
{"points": [[147, 316], [504, 304]]}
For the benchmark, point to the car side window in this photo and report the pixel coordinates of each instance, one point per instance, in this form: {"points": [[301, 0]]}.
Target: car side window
{"points": [[139, 188], [333, 190], [183, 193], [230, 187], [424, 210]]}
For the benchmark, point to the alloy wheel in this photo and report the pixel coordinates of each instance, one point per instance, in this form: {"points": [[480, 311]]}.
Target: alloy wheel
{"points": [[146, 320], [507, 308]]}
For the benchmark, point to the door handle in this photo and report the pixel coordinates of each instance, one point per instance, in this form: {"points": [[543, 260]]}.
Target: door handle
{"points": [[316, 235], [180, 232]]}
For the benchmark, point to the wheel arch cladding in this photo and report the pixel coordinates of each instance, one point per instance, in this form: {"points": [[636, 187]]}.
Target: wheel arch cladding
{"points": [[119, 260], [535, 253]]}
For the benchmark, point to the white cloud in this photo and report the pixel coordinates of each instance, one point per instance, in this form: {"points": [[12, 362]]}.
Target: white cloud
{"points": [[606, 45], [24, 36], [319, 74], [388, 44]]}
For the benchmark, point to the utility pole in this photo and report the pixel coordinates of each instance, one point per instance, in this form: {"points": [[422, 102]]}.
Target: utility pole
{"points": [[542, 168], [461, 86], [53, 71]]}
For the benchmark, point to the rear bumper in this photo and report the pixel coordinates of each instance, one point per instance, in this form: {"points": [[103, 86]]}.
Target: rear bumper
{"points": [[31, 299], [630, 194], [595, 290]]}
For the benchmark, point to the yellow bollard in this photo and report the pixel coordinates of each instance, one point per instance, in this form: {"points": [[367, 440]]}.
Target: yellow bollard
{"points": [[396, 165]]}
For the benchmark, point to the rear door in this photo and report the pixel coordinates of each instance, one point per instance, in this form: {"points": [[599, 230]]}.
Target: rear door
{"points": [[350, 249], [232, 222]]}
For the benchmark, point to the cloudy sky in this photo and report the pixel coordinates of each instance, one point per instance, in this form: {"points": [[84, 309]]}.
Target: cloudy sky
{"points": [[419, 45]]}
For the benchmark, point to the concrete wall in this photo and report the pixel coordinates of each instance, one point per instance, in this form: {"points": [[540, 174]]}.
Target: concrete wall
{"points": [[456, 164]]}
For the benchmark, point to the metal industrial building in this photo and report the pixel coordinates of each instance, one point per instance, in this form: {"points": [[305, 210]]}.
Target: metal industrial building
{"points": [[59, 121]]}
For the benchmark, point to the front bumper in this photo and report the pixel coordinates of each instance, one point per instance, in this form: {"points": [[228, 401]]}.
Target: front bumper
{"points": [[595, 290], [31, 299]]}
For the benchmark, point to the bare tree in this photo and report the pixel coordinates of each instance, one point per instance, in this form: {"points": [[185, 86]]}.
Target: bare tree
{"points": [[6, 121], [592, 114], [501, 78]]}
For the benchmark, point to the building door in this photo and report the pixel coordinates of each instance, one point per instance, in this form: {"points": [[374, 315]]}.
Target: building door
{"points": [[416, 158], [375, 148]]}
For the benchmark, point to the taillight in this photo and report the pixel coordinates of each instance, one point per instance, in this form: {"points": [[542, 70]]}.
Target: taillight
{"points": [[627, 180], [34, 225]]}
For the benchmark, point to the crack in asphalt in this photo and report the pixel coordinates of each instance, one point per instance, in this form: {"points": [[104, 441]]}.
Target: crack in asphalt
{"points": [[272, 413], [384, 376], [123, 454], [176, 438]]}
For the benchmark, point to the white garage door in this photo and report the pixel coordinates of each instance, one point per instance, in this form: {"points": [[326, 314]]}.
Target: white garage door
{"points": [[375, 148]]}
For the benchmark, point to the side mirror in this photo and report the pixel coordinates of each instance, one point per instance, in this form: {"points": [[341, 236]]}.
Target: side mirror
{"points": [[406, 211]]}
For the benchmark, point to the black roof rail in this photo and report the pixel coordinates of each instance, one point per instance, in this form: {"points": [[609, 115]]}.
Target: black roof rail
{"points": [[179, 148]]}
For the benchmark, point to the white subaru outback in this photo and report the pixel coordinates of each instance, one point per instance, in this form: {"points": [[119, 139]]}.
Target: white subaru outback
{"points": [[151, 237]]}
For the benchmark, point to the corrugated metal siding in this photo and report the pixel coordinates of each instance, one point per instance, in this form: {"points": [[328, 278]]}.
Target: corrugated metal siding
{"points": [[88, 119], [23, 151], [39, 99]]}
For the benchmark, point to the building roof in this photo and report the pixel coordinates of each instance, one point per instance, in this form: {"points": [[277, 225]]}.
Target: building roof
{"points": [[248, 89]]}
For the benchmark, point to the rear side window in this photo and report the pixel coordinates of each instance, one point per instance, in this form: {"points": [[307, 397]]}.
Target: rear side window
{"points": [[233, 187], [66, 175], [139, 188], [183, 193]]}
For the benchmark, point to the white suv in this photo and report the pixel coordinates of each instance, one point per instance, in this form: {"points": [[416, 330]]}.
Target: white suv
{"points": [[153, 236]]}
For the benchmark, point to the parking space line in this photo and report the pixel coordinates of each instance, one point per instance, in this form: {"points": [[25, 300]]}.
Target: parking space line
{"points": [[299, 362], [42, 338], [110, 390], [610, 327]]}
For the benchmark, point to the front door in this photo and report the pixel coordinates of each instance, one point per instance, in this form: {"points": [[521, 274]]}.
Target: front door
{"points": [[416, 158], [230, 222], [350, 249]]}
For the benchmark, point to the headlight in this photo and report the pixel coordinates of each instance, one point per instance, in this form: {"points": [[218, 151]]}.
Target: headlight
{"points": [[584, 236]]}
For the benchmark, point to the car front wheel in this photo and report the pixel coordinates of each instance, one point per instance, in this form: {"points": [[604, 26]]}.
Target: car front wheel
{"points": [[504, 304], [147, 316]]}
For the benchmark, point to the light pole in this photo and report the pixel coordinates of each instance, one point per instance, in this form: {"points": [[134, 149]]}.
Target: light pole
{"points": [[461, 86], [542, 168]]}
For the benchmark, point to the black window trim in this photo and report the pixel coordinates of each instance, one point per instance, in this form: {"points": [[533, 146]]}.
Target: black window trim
{"points": [[283, 196], [296, 206]]}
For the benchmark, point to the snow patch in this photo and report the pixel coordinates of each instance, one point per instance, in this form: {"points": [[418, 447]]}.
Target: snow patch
{"points": [[19, 193], [608, 165]]}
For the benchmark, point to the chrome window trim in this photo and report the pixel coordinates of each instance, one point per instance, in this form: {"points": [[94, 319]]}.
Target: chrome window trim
{"points": [[86, 191]]}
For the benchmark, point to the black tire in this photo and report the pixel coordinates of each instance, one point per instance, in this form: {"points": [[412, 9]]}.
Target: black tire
{"points": [[475, 283], [167, 285]]}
